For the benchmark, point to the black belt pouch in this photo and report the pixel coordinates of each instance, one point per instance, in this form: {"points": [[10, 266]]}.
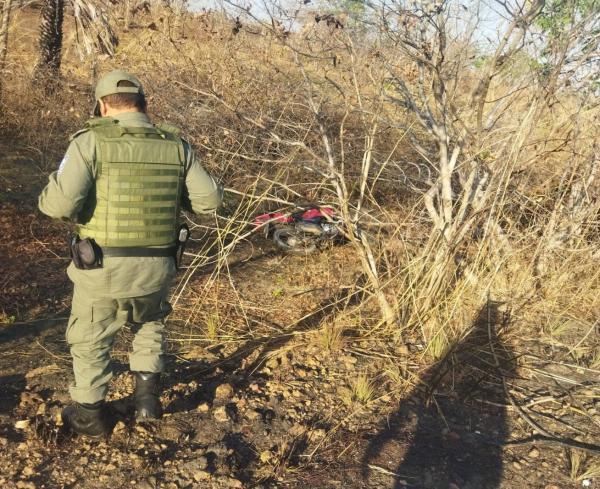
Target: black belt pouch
{"points": [[85, 253]]}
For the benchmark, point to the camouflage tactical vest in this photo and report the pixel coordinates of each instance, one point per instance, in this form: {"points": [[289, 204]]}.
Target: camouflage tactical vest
{"points": [[139, 181]]}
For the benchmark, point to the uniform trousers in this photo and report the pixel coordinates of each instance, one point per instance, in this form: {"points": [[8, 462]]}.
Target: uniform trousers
{"points": [[91, 331]]}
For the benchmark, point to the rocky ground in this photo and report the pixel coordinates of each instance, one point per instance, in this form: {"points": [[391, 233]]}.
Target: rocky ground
{"points": [[265, 390]]}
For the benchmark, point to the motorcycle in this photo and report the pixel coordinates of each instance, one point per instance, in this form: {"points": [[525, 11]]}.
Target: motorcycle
{"points": [[301, 232]]}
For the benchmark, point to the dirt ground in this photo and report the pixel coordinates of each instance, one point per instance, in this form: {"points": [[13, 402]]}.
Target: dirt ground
{"points": [[271, 398]]}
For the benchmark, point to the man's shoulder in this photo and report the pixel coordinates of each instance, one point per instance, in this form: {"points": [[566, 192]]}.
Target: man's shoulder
{"points": [[169, 128], [91, 124], [77, 134], [174, 132]]}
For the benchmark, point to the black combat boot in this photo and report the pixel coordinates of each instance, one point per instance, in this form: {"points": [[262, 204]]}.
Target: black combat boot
{"points": [[147, 391], [87, 419]]}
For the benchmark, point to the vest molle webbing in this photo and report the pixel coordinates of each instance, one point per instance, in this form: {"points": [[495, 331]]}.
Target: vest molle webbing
{"points": [[140, 173]]}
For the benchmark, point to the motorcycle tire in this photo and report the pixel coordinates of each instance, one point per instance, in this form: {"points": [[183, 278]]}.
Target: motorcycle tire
{"points": [[294, 242]]}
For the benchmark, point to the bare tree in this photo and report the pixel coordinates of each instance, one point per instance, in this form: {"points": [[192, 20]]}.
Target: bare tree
{"points": [[469, 167], [4, 23]]}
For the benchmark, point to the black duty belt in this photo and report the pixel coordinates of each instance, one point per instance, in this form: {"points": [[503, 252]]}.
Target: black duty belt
{"points": [[138, 251]]}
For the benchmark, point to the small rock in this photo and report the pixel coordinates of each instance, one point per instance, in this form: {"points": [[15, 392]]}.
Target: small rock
{"points": [[27, 471], [120, 426], [233, 483], [516, 465], [220, 414], [273, 362], [533, 453], [3, 441], [254, 387], [345, 394], [198, 463], [201, 475], [348, 360], [252, 414], [203, 407], [311, 362], [224, 392], [194, 353], [206, 436], [149, 483], [25, 485], [265, 456], [22, 424], [317, 434], [297, 430]]}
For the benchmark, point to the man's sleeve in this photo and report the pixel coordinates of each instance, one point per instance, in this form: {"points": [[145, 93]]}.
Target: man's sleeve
{"points": [[202, 194], [69, 186]]}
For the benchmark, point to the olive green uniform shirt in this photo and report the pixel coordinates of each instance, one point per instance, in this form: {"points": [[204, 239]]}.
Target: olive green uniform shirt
{"points": [[70, 186]]}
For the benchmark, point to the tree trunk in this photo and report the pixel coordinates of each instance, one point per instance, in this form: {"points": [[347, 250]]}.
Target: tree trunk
{"points": [[127, 15], [4, 22], [51, 35]]}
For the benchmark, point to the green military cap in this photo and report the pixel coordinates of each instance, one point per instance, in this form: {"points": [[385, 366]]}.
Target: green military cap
{"points": [[109, 84]]}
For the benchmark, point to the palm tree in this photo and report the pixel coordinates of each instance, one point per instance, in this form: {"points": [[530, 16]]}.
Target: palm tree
{"points": [[51, 36], [94, 32]]}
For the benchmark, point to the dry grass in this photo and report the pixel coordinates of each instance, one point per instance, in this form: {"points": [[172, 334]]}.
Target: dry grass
{"points": [[580, 468], [363, 389]]}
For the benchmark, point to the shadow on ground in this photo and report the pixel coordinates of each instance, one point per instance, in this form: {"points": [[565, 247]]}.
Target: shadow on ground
{"points": [[450, 430], [12, 334], [11, 387]]}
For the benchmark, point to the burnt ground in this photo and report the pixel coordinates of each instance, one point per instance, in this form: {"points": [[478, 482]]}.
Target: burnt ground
{"points": [[264, 389]]}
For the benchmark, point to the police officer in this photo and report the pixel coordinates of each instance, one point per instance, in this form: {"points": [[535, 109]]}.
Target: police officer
{"points": [[123, 181]]}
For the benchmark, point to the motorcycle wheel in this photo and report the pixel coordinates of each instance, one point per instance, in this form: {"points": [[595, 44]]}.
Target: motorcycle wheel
{"points": [[294, 241]]}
